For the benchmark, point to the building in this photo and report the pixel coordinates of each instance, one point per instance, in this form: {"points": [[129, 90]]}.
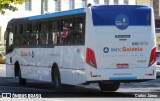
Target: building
{"points": [[156, 6], [33, 7], [144, 2]]}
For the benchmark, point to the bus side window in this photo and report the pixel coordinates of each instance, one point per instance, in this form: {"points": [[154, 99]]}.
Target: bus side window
{"points": [[20, 33], [77, 35], [17, 36], [54, 38], [25, 35], [44, 32], [65, 33], [34, 37], [54, 29]]}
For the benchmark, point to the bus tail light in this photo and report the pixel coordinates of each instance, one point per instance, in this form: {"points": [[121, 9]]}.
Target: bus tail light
{"points": [[90, 58], [152, 57]]}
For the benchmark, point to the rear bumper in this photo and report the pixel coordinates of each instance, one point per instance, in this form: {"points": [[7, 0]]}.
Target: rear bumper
{"points": [[129, 74]]}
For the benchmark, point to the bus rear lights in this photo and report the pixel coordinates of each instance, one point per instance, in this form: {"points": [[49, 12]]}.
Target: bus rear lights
{"points": [[152, 57], [125, 65], [90, 58]]}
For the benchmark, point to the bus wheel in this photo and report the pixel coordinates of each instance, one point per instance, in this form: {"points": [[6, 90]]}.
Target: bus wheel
{"points": [[109, 86], [56, 78], [22, 81]]}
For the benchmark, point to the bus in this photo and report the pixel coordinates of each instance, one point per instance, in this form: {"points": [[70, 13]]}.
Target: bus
{"points": [[104, 44]]}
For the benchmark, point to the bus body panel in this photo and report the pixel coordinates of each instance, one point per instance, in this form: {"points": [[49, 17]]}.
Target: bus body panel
{"points": [[36, 63], [10, 70], [134, 51], [72, 65], [18, 55], [121, 54]]}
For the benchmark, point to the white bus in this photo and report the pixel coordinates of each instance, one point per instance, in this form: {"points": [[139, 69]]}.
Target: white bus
{"points": [[107, 44]]}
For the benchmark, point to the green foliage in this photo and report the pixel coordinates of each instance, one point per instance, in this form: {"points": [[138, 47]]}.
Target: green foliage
{"points": [[10, 5]]}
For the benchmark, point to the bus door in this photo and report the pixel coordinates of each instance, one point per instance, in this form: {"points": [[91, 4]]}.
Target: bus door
{"points": [[9, 49]]}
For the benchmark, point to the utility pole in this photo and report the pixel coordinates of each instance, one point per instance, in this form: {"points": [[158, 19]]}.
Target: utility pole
{"points": [[42, 10]]}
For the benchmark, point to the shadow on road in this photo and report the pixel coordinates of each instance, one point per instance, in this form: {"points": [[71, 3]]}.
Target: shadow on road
{"points": [[10, 85], [6, 82], [47, 90]]}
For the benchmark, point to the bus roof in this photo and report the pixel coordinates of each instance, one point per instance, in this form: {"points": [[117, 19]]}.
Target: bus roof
{"points": [[72, 12], [49, 15]]}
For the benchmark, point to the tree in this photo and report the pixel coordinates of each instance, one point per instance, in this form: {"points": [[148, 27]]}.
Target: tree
{"points": [[10, 5]]}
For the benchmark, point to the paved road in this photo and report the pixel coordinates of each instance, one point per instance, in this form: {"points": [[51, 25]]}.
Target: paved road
{"points": [[47, 90]]}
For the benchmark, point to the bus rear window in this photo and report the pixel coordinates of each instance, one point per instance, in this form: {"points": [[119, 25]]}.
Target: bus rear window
{"points": [[106, 15]]}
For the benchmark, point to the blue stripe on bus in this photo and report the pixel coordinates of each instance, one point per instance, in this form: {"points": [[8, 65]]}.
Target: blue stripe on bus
{"points": [[106, 15], [123, 78], [57, 14]]}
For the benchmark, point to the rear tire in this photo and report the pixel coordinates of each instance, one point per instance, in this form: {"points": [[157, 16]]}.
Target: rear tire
{"points": [[56, 79], [114, 86]]}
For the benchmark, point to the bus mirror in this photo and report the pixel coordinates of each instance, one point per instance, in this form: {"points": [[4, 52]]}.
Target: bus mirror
{"points": [[5, 35]]}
